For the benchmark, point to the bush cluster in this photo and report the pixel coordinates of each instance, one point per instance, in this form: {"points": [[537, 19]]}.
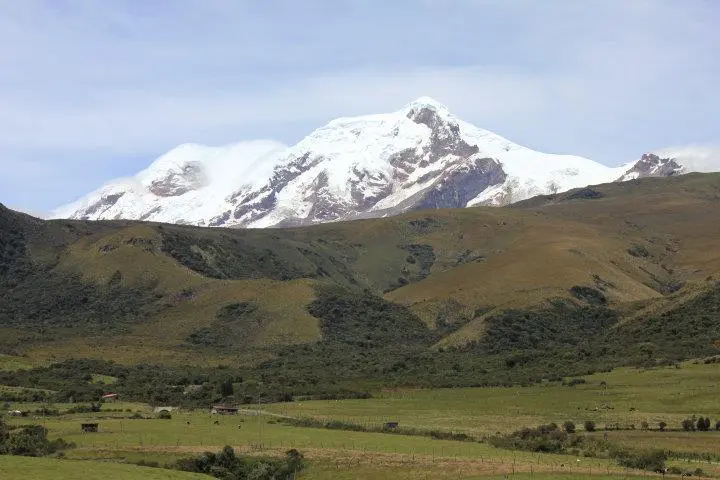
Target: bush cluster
{"points": [[29, 441], [227, 465], [698, 423], [552, 439]]}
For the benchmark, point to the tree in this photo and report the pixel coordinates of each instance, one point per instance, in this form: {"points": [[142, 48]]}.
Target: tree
{"points": [[227, 459], [569, 427], [553, 187], [688, 424], [226, 388], [644, 425], [703, 424], [662, 426], [294, 459], [589, 426]]}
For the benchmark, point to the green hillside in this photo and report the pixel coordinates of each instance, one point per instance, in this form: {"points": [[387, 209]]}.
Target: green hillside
{"points": [[558, 285]]}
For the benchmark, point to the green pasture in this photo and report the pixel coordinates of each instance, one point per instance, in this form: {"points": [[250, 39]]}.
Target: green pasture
{"points": [[624, 396], [627, 397], [28, 468], [257, 433]]}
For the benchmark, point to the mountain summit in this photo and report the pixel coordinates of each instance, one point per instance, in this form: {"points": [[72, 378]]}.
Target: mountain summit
{"points": [[421, 156]]}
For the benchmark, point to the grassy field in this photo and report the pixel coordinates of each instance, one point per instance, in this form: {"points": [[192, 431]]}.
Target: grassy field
{"points": [[164, 441], [25, 468], [628, 396]]}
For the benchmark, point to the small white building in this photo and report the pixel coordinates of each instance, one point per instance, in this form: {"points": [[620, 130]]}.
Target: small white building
{"points": [[165, 409]]}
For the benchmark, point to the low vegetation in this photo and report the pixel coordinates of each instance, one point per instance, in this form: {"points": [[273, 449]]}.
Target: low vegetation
{"points": [[227, 465], [551, 439], [29, 441]]}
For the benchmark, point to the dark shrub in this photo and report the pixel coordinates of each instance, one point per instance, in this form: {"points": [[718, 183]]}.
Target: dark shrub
{"points": [[227, 465], [575, 381], [569, 427], [652, 460], [703, 424], [589, 426], [588, 294]]}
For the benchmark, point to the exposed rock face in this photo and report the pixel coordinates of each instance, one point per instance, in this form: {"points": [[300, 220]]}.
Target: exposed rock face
{"points": [[464, 184], [651, 165], [190, 177], [104, 203], [441, 169]]}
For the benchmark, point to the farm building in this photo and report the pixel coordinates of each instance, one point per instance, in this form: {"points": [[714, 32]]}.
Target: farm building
{"points": [[89, 427], [224, 410]]}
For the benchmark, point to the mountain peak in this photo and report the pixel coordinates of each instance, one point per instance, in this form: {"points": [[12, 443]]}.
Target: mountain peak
{"points": [[425, 102], [420, 156]]}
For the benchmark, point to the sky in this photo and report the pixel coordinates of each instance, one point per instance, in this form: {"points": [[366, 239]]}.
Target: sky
{"points": [[91, 90]]}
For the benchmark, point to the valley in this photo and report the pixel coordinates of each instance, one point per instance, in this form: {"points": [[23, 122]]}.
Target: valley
{"points": [[462, 325]]}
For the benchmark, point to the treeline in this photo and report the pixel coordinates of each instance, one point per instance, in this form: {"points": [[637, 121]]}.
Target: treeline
{"points": [[71, 381]]}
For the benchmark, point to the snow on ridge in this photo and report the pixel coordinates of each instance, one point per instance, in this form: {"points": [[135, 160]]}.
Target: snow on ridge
{"points": [[367, 165], [227, 167]]}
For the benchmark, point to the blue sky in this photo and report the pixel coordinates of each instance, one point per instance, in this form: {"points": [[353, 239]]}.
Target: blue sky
{"points": [[92, 90]]}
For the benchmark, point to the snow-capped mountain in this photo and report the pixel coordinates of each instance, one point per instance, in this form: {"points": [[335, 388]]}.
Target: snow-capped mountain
{"points": [[421, 156]]}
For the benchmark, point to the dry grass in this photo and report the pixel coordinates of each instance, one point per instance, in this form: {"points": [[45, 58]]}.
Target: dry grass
{"points": [[524, 256]]}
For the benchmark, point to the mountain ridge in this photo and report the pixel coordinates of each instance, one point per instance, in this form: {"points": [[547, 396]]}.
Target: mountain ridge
{"points": [[421, 156]]}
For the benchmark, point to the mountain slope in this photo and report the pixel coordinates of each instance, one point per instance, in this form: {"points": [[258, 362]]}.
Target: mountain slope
{"points": [[564, 284], [138, 291], [419, 157]]}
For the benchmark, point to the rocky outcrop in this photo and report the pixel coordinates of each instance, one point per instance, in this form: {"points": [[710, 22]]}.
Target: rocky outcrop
{"points": [[455, 174], [101, 205], [457, 188], [651, 165], [176, 183]]}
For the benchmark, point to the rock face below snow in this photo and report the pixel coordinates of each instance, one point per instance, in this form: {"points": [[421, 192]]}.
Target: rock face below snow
{"points": [[419, 157], [651, 165]]}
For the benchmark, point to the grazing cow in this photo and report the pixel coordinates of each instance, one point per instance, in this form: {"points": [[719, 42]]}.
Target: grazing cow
{"points": [[188, 422], [217, 422]]}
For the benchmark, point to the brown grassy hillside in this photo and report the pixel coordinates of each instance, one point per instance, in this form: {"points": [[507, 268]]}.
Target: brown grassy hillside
{"points": [[134, 291]]}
